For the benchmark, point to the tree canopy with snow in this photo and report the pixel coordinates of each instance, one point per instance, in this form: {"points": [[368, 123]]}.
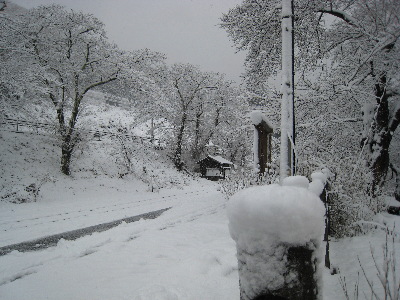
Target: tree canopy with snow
{"points": [[356, 42], [64, 54]]}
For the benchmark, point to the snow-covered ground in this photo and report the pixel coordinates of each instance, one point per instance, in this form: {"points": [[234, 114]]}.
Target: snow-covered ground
{"points": [[186, 253]]}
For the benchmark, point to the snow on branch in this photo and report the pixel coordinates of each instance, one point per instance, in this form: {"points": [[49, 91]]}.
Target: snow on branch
{"points": [[379, 47], [341, 15]]}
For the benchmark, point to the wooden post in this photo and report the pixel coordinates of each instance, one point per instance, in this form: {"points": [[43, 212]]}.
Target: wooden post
{"points": [[262, 148], [263, 144]]}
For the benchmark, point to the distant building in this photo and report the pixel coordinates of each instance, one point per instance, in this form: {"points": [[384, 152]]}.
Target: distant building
{"points": [[215, 167]]}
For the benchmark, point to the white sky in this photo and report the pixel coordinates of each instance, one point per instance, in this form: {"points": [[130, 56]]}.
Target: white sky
{"points": [[185, 30]]}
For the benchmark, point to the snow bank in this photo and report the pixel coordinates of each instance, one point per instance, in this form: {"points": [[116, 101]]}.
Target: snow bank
{"points": [[265, 222]]}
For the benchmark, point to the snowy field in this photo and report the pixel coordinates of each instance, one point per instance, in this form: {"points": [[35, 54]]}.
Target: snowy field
{"points": [[186, 253]]}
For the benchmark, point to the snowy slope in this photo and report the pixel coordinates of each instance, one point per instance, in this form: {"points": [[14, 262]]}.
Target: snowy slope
{"points": [[95, 194]]}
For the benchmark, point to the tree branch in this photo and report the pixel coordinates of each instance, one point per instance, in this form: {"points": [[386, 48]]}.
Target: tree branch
{"points": [[348, 19], [3, 5], [341, 15], [101, 82]]}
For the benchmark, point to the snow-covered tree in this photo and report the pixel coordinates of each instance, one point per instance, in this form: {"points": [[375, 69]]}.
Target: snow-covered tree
{"points": [[199, 106], [64, 55], [184, 87], [359, 40], [365, 50], [219, 113]]}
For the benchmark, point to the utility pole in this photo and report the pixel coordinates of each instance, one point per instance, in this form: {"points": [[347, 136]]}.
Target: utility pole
{"points": [[294, 166], [287, 84]]}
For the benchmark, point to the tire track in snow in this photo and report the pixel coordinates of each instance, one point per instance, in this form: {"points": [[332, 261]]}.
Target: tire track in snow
{"points": [[168, 221], [52, 240], [70, 215]]}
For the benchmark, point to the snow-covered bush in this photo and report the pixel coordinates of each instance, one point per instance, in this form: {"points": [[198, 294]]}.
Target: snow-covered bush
{"points": [[351, 206], [244, 178]]}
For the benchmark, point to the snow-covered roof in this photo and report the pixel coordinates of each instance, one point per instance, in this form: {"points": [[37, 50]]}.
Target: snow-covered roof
{"points": [[218, 159], [221, 160]]}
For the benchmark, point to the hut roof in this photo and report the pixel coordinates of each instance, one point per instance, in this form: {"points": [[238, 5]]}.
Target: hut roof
{"points": [[218, 159]]}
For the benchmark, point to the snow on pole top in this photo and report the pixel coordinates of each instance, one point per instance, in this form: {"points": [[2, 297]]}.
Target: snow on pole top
{"points": [[275, 214], [257, 117], [319, 180], [317, 185]]}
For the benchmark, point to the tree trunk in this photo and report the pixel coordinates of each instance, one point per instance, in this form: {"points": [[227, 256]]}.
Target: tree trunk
{"points": [[196, 145], [178, 152], [66, 154], [69, 138], [380, 138]]}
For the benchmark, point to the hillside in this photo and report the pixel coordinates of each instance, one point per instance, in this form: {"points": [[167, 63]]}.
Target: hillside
{"points": [[30, 153]]}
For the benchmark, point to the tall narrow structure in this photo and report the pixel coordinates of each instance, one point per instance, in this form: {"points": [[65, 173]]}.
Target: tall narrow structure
{"points": [[286, 157]]}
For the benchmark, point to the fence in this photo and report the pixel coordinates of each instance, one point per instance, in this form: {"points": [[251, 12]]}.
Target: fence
{"points": [[20, 126]]}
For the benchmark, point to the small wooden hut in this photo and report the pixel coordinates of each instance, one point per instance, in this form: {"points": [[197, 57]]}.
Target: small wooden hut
{"points": [[214, 167]]}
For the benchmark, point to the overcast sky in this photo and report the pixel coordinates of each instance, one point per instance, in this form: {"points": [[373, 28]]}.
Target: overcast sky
{"points": [[185, 30]]}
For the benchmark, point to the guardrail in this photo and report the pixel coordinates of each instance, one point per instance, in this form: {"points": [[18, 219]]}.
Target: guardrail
{"points": [[96, 134]]}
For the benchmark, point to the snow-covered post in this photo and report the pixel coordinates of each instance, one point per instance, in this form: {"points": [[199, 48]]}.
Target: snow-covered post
{"points": [[286, 90], [278, 232]]}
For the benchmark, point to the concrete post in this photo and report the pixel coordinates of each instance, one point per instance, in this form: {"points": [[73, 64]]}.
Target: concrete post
{"points": [[278, 231]]}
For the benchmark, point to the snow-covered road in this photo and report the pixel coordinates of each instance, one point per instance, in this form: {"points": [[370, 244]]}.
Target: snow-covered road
{"points": [[52, 240], [186, 253], [35, 220]]}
